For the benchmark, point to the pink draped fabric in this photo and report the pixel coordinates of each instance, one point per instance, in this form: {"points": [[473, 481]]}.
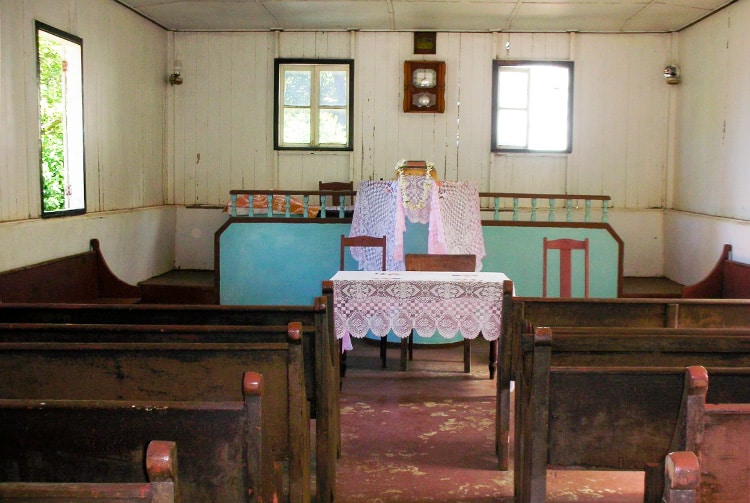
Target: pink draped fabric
{"points": [[451, 210]]}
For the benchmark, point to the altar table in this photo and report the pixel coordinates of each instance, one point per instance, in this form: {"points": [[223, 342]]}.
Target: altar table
{"points": [[450, 303]]}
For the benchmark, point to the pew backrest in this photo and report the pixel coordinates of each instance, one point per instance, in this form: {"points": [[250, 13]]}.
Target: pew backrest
{"points": [[728, 279], [224, 455], [161, 470], [82, 277], [168, 362], [712, 466], [609, 398], [529, 312], [321, 356]]}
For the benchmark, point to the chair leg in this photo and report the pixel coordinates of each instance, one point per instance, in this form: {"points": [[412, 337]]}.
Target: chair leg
{"points": [[411, 345], [404, 351], [383, 350], [493, 357], [342, 364], [467, 355]]}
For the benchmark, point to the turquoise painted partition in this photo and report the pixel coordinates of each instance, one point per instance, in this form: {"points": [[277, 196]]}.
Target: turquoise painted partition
{"points": [[517, 252], [283, 262]]}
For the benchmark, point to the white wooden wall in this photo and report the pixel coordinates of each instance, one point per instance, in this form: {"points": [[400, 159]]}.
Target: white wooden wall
{"points": [[223, 114], [124, 65], [714, 116], [125, 95], [711, 176], [647, 144]]}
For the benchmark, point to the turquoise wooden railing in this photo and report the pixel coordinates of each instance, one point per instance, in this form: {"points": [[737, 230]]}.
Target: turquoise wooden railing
{"points": [[510, 206], [287, 203], [574, 207]]}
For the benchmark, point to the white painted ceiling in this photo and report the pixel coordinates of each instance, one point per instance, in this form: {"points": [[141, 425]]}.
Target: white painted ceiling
{"points": [[607, 16]]}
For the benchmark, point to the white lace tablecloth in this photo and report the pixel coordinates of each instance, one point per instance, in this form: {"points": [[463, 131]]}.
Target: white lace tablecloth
{"points": [[428, 302]]}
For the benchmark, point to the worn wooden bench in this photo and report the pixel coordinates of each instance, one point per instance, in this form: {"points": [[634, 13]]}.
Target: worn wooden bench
{"points": [[713, 467], [633, 312], [161, 470], [168, 362], [609, 398], [727, 280], [321, 356], [83, 277], [224, 451]]}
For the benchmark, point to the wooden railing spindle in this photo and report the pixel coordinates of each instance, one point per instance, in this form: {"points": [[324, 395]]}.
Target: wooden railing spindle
{"points": [[498, 204]]}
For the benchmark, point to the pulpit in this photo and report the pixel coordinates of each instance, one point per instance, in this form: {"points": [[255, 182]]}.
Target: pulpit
{"points": [[449, 209]]}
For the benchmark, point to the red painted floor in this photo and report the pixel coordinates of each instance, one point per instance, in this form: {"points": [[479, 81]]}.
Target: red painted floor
{"points": [[427, 435]]}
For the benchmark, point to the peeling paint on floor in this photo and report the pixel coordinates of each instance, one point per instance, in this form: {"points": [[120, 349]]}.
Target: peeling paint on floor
{"points": [[427, 435]]}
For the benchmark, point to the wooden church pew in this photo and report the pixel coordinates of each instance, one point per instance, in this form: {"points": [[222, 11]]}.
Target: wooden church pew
{"points": [[728, 279], [609, 398], [321, 356], [168, 362], [529, 312], [713, 467], [161, 470], [82, 277], [223, 445]]}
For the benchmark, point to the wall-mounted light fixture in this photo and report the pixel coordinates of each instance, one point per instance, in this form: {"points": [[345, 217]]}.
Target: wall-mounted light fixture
{"points": [[672, 74], [176, 78]]}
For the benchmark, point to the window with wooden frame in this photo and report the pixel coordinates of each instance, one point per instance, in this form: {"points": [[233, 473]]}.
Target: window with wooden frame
{"points": [[532, 103], [313, 104], [61, 156]]}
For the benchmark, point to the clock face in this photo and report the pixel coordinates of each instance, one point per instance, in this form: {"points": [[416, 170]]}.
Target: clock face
{"points": [[424, 78], [422, 100]]}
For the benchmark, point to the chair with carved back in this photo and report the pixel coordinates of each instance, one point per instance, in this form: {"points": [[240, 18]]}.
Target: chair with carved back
{"points": [[335, 199], [444, 263], [366, 242], [566, 247]]}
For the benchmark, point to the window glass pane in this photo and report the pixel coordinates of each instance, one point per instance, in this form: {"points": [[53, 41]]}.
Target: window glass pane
{"points": [[513, 89], [297, 88], [60, 123], [511, 128], [296, 125], [333, 88], [333, 126], [548, 111]]}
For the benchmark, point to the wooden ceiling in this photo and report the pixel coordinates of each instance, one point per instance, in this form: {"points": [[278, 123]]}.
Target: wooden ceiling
{"points": [[590, 16]]}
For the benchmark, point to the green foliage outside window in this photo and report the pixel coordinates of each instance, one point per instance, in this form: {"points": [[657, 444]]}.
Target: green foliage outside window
{"points": [[51, 117], [314, 108]]}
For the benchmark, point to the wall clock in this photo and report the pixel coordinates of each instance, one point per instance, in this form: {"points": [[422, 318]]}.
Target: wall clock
{"points": [[424, 86]]}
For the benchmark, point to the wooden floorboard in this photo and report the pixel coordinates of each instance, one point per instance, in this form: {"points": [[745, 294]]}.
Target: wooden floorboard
{"points": [[650, 287]]}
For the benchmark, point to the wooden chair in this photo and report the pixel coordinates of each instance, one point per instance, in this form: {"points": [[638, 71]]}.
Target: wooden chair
{"points": [[437, 262], [335, 200], [566, 246], [365, 242]]}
